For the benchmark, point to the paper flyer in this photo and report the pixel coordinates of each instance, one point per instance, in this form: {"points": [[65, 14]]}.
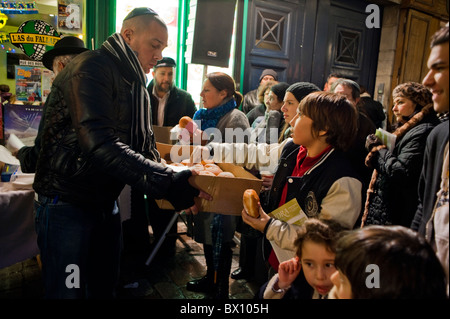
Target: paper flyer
{"points": [[291, 213], [386, 138], [22, 121]]}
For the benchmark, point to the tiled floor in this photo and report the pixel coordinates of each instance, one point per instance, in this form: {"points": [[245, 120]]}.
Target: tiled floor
{"points": [[162, 279]]}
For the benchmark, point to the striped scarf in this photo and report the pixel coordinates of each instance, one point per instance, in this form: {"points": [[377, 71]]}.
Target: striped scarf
{"points": [[142, 138]]}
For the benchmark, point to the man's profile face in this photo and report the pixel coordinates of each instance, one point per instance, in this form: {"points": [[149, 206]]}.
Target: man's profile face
{"points": [[148, 43], [163, 78], [437, 77]]}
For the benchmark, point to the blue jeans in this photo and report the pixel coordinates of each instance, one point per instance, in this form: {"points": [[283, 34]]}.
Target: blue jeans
{"points": [[80, 249]]}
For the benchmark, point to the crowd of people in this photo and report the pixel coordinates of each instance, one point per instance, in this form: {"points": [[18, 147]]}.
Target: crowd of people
{"points": [[377, 214]]}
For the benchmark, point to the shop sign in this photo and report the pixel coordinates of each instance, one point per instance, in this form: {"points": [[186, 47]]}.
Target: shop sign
{"points": [[34, 37], [3, 20], [4, 38], [18, 7]]}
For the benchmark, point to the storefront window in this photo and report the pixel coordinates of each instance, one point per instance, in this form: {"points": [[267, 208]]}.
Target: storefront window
{"points": [[27, 30], [169, 12]]}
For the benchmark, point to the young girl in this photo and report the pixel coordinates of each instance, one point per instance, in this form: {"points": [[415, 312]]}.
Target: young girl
{"points": [[386, 262], [314, 263]]}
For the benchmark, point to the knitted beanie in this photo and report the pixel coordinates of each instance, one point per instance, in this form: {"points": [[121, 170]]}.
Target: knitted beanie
{"points": [[280, 89], [269, 72], [414, 91], [302, 89]]}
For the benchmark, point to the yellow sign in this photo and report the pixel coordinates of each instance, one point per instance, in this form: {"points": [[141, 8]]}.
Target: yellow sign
{"points": [[3, 19], [4, 37], [33, 38]]}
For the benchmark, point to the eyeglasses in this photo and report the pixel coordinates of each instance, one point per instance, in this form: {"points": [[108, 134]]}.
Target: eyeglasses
{"points": [[139, 12]]}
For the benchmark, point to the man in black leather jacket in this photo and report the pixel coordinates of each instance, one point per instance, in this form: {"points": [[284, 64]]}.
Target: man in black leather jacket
{"points": [[96, 138]]}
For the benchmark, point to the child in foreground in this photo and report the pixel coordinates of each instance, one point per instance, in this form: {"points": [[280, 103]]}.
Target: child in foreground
{"points": [[386, 262], [314, 263]]}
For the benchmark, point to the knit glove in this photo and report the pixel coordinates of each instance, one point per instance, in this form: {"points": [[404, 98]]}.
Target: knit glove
{"points": [[181, 194], [372, 141]]}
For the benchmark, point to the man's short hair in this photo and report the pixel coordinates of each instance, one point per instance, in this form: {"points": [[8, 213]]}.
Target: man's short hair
{"points": [[440, 37], [140, 21], [334, 75], [356, 90]]}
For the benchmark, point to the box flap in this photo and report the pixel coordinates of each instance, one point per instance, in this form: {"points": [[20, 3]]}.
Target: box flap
{"points": [[162, 134], [226, 192]]}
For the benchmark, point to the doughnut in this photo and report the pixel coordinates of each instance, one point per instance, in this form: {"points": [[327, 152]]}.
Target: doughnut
{"points": [[250, 200], [226, 174]]}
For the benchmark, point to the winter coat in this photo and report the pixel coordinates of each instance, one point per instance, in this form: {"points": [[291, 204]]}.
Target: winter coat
{"points": [[179, 104], [394, 199], [330, 189], [430, 178], [85, 158], [250, 101]]}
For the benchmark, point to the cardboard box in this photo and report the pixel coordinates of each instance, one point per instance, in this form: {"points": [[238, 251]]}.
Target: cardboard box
{"points": [[226, 192], [162, 134]]}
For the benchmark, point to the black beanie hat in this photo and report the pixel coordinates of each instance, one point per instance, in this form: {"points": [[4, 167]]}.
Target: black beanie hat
{"points": [[269, 72], [302, 89], [280, 89]]}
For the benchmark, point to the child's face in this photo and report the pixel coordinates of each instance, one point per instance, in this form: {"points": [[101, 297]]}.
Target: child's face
{"points": [[302, 130], [343, 286], [318, 266]]}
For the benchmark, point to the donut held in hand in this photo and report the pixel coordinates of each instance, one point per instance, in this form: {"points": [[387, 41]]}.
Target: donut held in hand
{"points": [[250, 201]]}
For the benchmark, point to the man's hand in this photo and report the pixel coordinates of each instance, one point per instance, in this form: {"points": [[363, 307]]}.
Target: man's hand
{"points": [[257, 223], [194, 209], [372, 141], [14, 151]]}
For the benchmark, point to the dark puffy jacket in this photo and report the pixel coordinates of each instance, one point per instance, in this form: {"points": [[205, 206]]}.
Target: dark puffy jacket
{"points": [[395, 196], [430, 178], [85, 157]]}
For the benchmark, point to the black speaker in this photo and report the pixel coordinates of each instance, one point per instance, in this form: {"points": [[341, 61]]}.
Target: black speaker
{"points": [[209, 42]]}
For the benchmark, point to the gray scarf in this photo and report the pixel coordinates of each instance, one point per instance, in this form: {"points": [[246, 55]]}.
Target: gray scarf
{"points": [[142, 137]]}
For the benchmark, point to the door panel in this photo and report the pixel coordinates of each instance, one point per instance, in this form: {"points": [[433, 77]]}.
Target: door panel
{"points": [[273, 40], [307, 40], [349, 47], [416, 49]]}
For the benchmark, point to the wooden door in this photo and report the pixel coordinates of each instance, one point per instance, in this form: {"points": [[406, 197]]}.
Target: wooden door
{"points": [[306, 40], [413, 46], [344, 44], [274, 40]]}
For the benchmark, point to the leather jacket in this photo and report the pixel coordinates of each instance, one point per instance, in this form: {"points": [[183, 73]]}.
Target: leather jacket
{"points": [[85, 157]]}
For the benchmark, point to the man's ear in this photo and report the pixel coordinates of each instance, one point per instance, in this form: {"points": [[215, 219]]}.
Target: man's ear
{"points": [[127, 34]]}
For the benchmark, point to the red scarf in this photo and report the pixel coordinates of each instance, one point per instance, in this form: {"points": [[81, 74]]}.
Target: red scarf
{"points": [[304, 163]]}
